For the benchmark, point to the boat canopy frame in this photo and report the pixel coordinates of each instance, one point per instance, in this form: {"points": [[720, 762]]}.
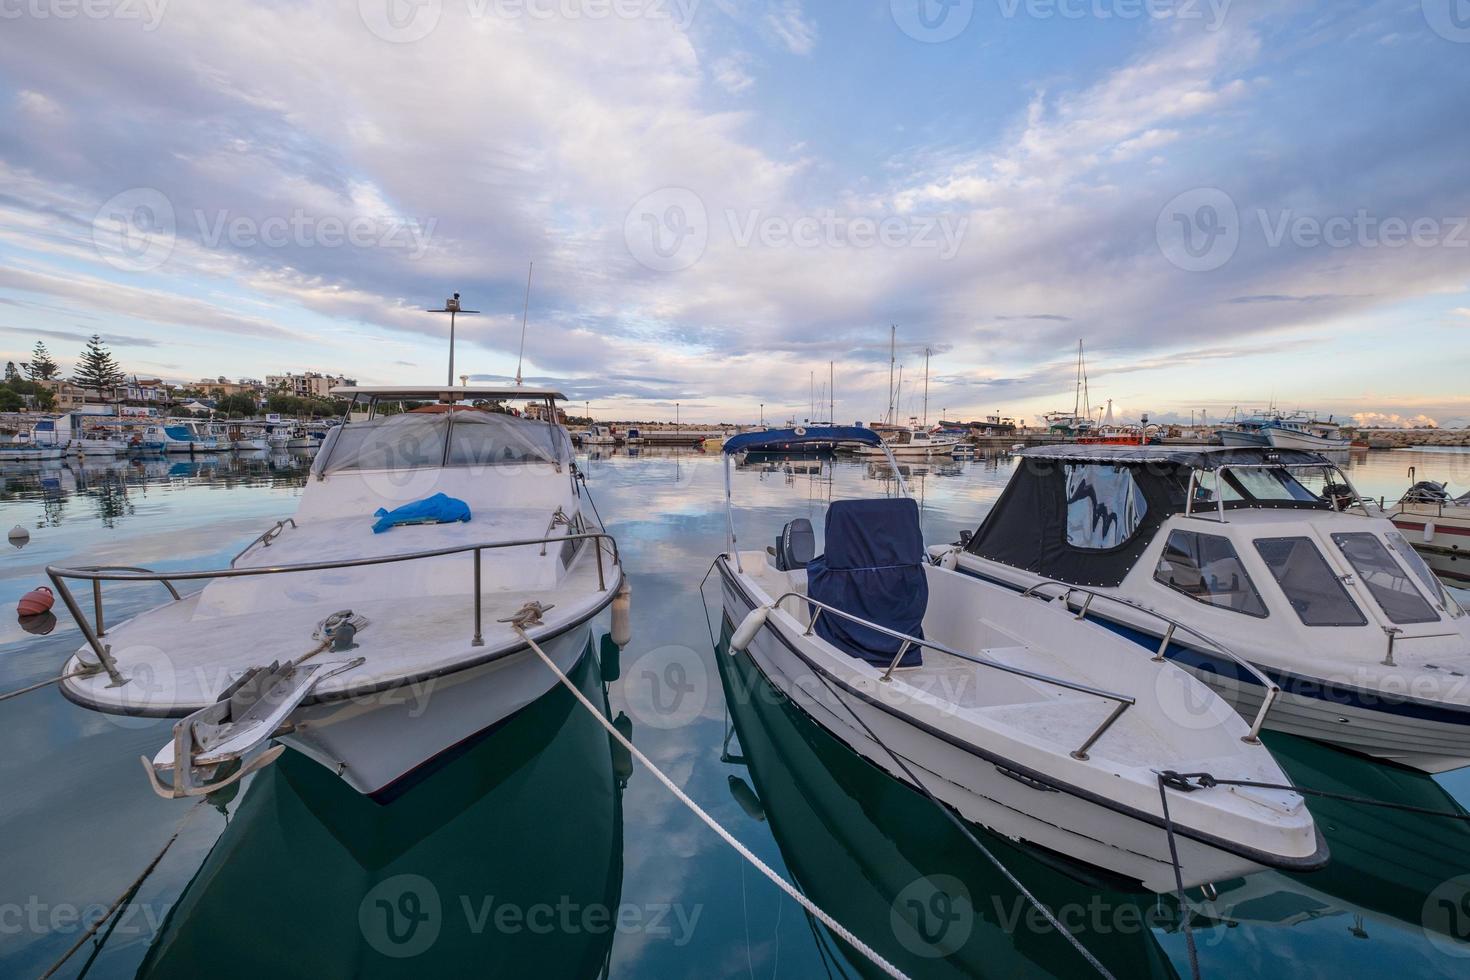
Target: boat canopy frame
{"points": [[746, 441]]}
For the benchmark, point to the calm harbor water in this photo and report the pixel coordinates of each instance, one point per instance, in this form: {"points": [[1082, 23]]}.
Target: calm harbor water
{"points": [[540, 851]]}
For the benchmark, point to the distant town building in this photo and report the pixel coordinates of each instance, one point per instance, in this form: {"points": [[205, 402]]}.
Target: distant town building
{"points": [[222, 387], [145, 391], [537, 411], [69, 397], [309, 384]]}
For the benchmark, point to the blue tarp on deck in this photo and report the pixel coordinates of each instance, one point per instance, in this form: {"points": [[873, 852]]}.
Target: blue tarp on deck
{"points": [[438, 509]]}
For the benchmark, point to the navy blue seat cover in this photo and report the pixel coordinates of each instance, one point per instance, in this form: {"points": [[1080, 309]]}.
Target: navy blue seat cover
{"points": [[872, 568]]}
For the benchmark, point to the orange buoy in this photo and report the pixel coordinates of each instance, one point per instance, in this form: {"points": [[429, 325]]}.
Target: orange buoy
{"points": [[35, 602]]}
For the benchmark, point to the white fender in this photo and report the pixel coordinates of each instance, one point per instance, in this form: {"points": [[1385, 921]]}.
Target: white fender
{"points": [[622, 615], [748, 628]]}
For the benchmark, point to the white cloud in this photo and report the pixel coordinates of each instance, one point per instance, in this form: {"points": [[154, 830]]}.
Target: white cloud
{"points": [[787, 22], [732, 72]]}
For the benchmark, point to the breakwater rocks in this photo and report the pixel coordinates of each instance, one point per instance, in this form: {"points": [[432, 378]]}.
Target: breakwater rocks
{"points": [[1405, 438]]}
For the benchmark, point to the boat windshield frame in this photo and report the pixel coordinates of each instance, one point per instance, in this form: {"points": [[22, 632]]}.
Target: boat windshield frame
{"points": [[1327, 468], [368, 403]]}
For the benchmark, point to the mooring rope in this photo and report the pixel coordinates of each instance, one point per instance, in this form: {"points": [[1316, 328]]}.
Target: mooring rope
{"points": [[877, 959], [55, 680], [126, 895], [1206, 780], [1178, 877]]}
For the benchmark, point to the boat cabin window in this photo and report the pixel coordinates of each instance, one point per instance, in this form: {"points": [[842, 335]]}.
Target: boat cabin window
{"points": [[1431, 583], [1309, 583], [1253, 487], [1385, 578], [418, 438], [1206, 568], [1105, 506]]}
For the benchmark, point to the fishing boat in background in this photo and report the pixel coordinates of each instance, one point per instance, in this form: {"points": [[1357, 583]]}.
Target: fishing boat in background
{"points": [[377, 626], [1269, 551], [1306, 432], [182, 436], [974, 693], [1249, 433]]}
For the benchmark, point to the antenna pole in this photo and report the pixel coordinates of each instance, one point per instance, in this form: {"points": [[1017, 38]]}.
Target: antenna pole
{"points": [[524, 311], [452, 307]]}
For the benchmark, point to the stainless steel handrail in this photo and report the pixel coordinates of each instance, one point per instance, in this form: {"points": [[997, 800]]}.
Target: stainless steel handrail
{"points": [[1123, 700], [99, 574], [1272, 689]]}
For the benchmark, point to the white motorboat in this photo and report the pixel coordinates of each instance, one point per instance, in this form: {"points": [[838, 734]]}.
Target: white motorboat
{"points": [[1305, 433], [233, 435], [1012, 710], [1438, 527], [1332, 604], [599, 435], [915, 440], [1245, 434], [22, 451], [369, 652]]}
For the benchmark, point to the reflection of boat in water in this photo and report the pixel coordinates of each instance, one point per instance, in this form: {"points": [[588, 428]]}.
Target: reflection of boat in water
{"points": [[1385, 863], [894, 870], [527, 817]]}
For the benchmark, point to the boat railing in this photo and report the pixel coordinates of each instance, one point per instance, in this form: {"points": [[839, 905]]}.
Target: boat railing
{"points": [[264, 538], [1171, 627], [98, 574], [1327, 469], [1122, 701]]}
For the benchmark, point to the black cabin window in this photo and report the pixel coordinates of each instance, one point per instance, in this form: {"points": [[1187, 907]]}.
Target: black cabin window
{"points": [[1385, 578], [1309, 583], [1206, 568]]}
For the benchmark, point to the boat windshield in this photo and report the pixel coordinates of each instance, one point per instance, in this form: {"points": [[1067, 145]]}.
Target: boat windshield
{"points": [[431, 436], [1384, 578], [1269, 484]]}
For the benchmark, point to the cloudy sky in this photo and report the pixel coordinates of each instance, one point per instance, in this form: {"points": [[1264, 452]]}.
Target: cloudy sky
{"points": [[1229, 202]]}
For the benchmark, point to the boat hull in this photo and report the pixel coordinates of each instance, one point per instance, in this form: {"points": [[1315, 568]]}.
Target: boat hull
{"points": [[1432, 737], [1007, 799], [1242, 440], [1291, 439], [374, 741]]}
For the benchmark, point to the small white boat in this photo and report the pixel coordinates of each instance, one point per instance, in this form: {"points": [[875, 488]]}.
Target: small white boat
{"points": [[599, 435], [913, 441], [1438, 526], [1329, 602], [1012, 710], [1305, 433], [26, 452], [369, 652]]}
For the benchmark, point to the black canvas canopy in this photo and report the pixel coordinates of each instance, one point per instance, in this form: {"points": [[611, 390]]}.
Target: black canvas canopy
{"points": [[1084, 514]]}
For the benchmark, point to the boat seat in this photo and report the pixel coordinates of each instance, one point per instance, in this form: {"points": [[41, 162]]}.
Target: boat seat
{"points": [[872, 568], [796, 545]]}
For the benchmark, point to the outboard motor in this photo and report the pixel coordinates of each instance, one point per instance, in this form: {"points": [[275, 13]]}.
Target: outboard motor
{"points": [[795, 545]]}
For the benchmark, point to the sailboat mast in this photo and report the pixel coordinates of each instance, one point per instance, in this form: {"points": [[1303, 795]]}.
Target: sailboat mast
{"points": [[831, 395], [1077, 385], [892, 340], [926, 387]]}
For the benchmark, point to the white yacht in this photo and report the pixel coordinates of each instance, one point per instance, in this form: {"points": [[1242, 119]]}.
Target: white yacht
{"points": [[978, 694], [1267, 550], [376, 627], [183, 436], [1438, 526], [599, 435]]}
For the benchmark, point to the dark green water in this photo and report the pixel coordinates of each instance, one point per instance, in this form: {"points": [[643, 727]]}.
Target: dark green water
{"points": [[542, 851]]}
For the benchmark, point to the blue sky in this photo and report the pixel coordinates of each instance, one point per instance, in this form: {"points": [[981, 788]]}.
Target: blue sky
{"points": [[1228, 202]]}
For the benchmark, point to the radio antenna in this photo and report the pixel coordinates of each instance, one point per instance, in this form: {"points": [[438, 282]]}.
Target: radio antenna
{"points": [[524, 312]]}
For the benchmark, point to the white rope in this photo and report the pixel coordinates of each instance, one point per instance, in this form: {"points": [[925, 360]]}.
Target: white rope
{"points": [[780, 882]]}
